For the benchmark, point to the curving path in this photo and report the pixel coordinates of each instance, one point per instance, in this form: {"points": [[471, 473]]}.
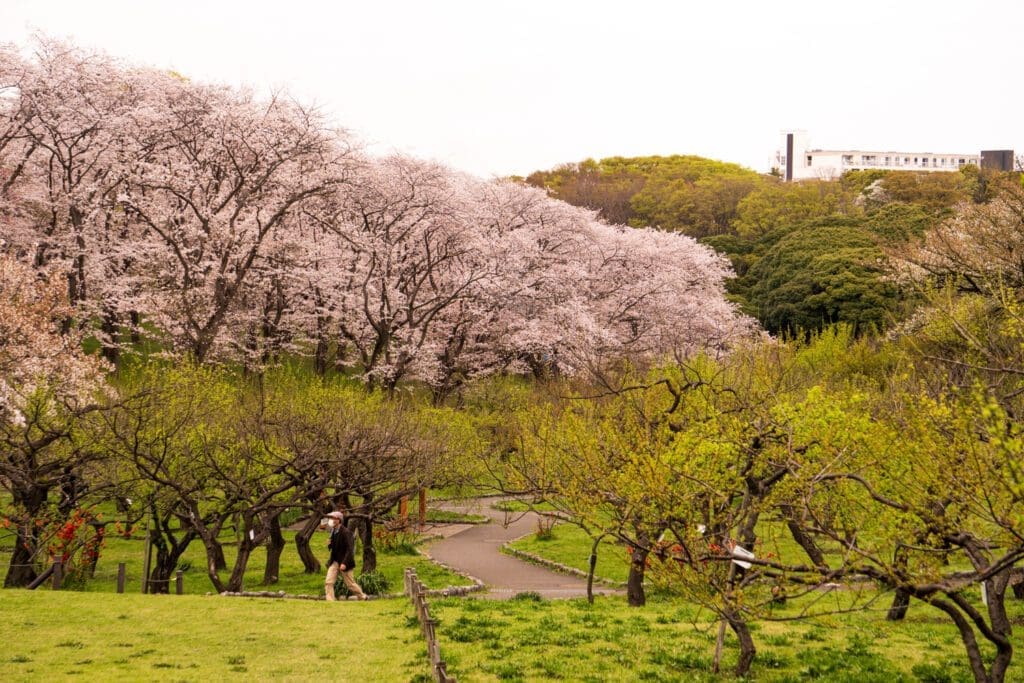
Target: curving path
{"points": [[475, 549]]}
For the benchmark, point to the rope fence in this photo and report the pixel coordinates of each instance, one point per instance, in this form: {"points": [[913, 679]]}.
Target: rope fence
{"points": [[56, 572], [415, 589]]}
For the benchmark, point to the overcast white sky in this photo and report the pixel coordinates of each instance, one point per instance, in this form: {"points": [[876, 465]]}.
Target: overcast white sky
{"points": [[496, 87]]}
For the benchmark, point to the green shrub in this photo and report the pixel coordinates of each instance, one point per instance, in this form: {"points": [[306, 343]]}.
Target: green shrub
{"points": [[528, 596], [372, 583]]}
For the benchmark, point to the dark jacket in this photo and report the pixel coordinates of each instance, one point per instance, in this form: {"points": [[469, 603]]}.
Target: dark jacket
{"points": [[342, 547]]}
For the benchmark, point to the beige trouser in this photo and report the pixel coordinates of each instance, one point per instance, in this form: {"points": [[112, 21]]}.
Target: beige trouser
{"points": [[332, 576]]}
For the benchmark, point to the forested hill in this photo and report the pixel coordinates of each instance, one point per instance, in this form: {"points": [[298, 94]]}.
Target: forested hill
{"points": [[806, 254], [688, 194]]}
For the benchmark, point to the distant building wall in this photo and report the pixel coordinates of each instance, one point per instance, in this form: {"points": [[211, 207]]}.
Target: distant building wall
{"points": [[997, 159], [802, 162]]}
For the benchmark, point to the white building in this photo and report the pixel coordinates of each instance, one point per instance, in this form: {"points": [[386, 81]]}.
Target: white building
{"points": [[798, 161]]}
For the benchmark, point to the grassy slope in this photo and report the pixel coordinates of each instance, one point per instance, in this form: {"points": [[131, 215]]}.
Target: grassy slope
{"points": [[89, 636], [670, 641], [829, 648]]}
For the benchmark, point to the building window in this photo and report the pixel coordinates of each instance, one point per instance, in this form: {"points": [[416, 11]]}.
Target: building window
{"points": [[887, 161], [847, 158], [809, 158], [962, 162]]}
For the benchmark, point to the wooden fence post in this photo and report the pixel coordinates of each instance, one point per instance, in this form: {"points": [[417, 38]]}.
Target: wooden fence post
{"points": [[148, 554], [121, 571], [179, 582], [58, 574], [423, 509]]}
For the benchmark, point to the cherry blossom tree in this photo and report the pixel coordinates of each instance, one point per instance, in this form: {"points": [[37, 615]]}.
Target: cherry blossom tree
{"points": [[225, 225], [47, 385], [69, 117], [214, 201], [405, 252]]}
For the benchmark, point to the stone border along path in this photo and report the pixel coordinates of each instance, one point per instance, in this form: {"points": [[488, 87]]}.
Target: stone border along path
{"points": [[475, 550]]}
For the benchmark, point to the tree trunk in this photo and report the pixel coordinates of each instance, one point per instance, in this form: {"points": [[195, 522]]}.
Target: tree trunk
{"points": [[22, 571], [803, 539], [747, 649], [900, 601], [996, 593], [590, 570], [236, 581], [635, 582], [136, 319], [275, 546], [369, 552], [218, 555], [309, 562], [168, 551], [213, 549], [900, 604], [967, 637], [111, 344]]}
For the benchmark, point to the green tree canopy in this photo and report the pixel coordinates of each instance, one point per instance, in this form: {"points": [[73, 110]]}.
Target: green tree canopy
{"points": [[779, 205], [825, 272], [687, 194]]}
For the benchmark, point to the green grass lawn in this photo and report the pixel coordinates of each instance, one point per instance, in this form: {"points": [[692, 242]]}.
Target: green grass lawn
{"points": [[96, 637], [569, 545], [448, 517], [525, 640]]}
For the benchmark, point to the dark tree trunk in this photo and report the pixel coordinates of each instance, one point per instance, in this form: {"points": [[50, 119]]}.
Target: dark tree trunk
{"points": [[167, 557], [975, 658], [635, 582], [168, 551], [803, 539], [136, 322], [590, 570], [747, 649], [900, 605], [369, 551], [213, 549], [996, 593], [275, 546], [900, 601], [236, 581], [111, 347], [217, 551], [309, 562], [22, 571], [320, 359]]}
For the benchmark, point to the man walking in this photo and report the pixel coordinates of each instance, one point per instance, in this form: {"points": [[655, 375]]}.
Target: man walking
{"points": [[343, 558]]}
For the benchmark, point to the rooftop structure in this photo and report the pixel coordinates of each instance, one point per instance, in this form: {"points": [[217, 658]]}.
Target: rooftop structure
{"points": [[798, 161]]}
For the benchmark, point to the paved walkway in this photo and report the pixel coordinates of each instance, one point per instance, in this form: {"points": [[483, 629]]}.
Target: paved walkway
{"points": [[476, 550]]}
